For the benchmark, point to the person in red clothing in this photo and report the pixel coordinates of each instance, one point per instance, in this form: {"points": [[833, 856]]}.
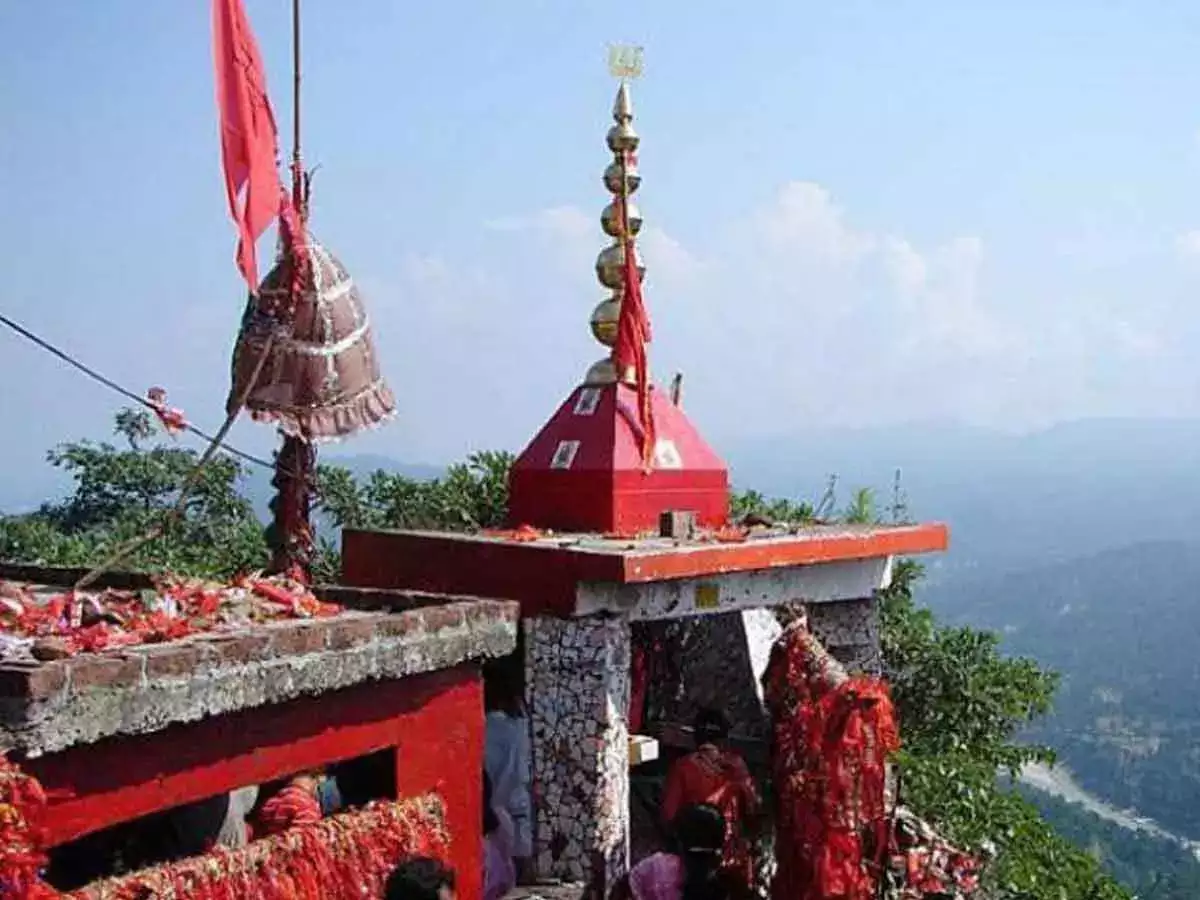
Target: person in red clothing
{"points": [[717, 776]]}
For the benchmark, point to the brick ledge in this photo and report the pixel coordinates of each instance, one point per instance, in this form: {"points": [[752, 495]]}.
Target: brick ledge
{"points": [[48, 707]]}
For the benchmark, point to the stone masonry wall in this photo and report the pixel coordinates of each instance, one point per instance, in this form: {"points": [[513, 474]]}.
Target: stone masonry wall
{"points": [[717, 660], [46, 707], [577, 691]]}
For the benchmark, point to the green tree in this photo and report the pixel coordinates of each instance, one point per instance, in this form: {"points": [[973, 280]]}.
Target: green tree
{"points": [[122, 493], [471, 496], [752, 504], [961, 705]]}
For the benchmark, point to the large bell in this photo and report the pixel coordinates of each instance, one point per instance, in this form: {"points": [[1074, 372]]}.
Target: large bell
{"points": [[321, 380]]}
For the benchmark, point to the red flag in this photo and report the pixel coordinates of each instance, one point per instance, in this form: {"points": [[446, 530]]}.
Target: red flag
{"points": [[249, 141], [633, 333]]}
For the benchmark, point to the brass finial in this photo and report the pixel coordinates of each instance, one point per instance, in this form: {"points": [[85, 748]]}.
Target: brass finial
{"points": [[620, 179]]}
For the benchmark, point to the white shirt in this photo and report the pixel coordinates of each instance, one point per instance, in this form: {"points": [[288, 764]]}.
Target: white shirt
{"points": [[507, 761]]}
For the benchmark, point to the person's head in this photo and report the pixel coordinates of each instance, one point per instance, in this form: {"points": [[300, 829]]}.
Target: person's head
{"points": [[699, 832], [490, 820], [502, 686], [710, 726], [420, 878]]}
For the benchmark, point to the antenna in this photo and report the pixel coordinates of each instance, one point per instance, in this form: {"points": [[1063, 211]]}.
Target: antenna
{"points": [[677, 389]]}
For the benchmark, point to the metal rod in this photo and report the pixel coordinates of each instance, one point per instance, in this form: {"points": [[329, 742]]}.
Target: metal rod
{"points": [[297, 169]]}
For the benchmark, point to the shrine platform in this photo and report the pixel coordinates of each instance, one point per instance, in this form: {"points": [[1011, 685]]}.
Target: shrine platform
{"points": [[645, 577], [581, 598]]}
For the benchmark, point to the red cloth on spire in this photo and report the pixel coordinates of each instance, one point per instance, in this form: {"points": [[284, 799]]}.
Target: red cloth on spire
{"points": [[633, 333], [249, 140]]}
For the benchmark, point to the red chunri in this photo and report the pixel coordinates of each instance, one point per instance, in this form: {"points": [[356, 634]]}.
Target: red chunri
{"points": [[87, 622]]}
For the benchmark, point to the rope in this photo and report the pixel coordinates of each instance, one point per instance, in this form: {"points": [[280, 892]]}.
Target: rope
{"points": [[124, 392], [215, 442], [193, 477]]}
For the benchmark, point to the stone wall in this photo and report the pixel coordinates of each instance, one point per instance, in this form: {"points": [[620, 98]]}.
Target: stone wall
{"points": [[46, 707], [718, 660], [577, 689]]}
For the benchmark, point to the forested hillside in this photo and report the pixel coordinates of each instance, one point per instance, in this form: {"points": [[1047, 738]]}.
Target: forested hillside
{"points": [[1120, 627], [1154, 867]]}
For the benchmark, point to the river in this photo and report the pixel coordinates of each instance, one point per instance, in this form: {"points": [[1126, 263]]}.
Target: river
{"points": [[1057, 780]]}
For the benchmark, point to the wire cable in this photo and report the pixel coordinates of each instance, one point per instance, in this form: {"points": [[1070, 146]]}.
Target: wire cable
{"points": [[124, 392]]}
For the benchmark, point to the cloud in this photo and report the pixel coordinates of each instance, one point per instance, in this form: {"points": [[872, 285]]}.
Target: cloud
{"points": [[795, 315], [805, 220], [560, 221]]}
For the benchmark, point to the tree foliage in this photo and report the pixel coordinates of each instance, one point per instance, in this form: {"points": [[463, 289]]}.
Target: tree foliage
{"points": [[472, 495], [961, 706], [961, 702], [120, 493]]}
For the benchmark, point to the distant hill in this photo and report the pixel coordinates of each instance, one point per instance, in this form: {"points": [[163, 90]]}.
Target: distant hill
{"points": [[1012, 501], [1122, 628]]}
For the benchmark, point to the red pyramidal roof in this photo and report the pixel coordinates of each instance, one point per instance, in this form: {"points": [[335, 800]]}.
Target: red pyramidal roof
{"points": [[583, 471]]}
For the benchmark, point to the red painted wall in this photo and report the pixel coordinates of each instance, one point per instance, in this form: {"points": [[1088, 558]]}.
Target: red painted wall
{"points": [[435, 722]]}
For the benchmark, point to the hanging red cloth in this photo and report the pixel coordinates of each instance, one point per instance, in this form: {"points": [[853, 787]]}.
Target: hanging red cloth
{"points": [[633, 334], [249, 139], [831, 738], [638, 672]]}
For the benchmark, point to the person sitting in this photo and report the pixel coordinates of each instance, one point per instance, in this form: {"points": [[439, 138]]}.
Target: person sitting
{"points": [[717, 776], [692, 869], [420, 878], [499, 871]]}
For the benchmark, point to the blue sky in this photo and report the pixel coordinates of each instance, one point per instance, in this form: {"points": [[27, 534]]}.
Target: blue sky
{"points": [[857, 213]]}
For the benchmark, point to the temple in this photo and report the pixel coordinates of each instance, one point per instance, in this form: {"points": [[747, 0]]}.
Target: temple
{"points": [[622, 591], [604, 550]]}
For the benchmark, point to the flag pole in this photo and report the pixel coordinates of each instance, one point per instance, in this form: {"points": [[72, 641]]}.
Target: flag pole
{"points": [[298, 198], [291, 535]]}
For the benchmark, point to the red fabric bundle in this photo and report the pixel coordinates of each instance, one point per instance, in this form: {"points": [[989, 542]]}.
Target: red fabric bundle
{"points": [[342, 857], [831, 739], [294, 805], [345, 857], [633, 334], [185, 607], [22, 809]]}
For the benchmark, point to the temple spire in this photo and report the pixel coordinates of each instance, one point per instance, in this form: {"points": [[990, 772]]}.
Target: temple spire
{"points": [[621, 219]]}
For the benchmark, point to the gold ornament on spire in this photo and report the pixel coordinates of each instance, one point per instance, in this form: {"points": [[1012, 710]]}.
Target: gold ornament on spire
{"points": [[621, 179]]}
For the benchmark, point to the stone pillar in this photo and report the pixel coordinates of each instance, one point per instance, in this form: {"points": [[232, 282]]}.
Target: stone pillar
{"points": [[577, 691], [849, 630]]}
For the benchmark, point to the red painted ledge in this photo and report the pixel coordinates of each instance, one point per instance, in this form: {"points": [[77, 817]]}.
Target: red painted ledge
{"points": [[543, 574]]}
